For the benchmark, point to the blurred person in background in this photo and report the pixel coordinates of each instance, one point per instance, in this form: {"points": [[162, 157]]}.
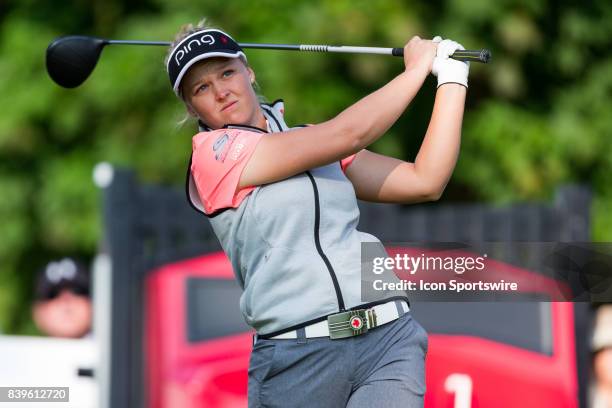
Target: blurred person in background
{"points": [[602, 358], [62, 306]]}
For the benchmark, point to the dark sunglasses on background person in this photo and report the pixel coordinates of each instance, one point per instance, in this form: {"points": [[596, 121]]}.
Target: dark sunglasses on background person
{"points": [[53, 293]]}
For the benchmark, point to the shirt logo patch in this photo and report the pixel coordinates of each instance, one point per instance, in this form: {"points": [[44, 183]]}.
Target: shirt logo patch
{"points": [[221, 146]]}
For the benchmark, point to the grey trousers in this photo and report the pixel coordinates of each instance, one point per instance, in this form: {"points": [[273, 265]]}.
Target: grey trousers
{"points": [[382, 368]]}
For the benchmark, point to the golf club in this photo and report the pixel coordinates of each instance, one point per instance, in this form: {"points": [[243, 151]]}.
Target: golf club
{"points": [[71, 59]]}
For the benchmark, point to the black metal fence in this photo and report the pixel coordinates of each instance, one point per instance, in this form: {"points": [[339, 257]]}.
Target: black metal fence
{"points": [[149, 225]]}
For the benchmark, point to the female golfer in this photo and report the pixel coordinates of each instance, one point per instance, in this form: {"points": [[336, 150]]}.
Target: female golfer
{"points": [[283, 203]]}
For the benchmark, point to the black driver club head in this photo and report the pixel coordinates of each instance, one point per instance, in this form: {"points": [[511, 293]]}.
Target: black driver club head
{"points": [[71, 59]]}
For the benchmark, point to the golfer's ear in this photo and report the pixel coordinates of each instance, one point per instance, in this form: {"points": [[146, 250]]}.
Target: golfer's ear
{"points": [[190, 109], [251, 74]]}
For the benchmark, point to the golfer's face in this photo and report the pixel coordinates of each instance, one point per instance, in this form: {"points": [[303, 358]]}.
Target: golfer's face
{"points": [[219, 91]]}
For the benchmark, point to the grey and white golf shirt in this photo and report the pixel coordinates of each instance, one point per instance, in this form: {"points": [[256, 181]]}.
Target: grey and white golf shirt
{"points": [[293, 244]]}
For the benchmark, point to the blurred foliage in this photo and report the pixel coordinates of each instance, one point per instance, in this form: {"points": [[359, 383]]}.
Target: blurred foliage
{"points": [[537, 117]]}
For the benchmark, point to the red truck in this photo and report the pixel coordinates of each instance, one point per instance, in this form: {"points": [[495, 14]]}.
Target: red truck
{"points": [[480, 355]]}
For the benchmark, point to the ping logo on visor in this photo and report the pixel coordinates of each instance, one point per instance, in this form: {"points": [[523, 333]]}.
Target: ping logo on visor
{"points": [[196, 47]]}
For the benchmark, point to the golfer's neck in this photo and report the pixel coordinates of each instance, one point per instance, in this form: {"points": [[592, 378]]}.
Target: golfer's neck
{"points": [[260, 120]]}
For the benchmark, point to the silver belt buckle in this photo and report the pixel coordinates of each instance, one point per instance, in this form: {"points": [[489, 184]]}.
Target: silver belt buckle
{"points": [[350, 323]]}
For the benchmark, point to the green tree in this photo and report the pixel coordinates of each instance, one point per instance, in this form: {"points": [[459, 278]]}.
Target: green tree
{"points": [[537, 116]]}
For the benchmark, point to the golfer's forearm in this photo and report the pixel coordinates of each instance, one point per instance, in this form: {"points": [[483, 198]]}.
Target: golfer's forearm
{"points": [[369, 118], [438, 154]]}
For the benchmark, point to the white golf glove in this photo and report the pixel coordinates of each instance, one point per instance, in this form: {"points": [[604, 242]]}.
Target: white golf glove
{"points": [[447, 69]]}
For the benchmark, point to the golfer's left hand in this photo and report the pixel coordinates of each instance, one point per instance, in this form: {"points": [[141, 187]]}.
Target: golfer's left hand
{"points": [[447, 69]]}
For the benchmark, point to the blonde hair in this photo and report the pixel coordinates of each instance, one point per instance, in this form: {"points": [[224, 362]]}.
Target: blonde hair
{"points": [[184, 32]]}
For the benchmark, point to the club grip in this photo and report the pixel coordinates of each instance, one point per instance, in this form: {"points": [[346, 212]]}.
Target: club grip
{"points": [[483, 55]]}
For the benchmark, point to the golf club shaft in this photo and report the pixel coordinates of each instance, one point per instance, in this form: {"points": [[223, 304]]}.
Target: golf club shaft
{"points": [[463, 55], [136, 42]]}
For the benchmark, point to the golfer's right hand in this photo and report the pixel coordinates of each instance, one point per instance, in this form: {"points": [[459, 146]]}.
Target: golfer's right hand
{"points": [[419, 54]]}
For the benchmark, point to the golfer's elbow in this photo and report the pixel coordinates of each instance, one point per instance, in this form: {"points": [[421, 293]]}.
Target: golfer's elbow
{"points": [[433, 191], [435, 195]]}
